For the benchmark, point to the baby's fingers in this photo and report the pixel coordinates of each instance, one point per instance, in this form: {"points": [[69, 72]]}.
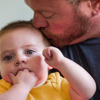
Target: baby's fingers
{"points": [[47, 53], [12, 77]]}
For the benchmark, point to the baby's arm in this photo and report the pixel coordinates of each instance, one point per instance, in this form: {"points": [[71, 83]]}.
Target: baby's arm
{"points": [[23, 82], [82, 85]]}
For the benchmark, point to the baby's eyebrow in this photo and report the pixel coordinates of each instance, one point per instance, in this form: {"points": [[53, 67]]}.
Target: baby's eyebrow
{"points": [[5, 51], [28, 45], [33, 46]]}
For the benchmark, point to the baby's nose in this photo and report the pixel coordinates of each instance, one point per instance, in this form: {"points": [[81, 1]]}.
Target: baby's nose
{"points": [[20, 60]]}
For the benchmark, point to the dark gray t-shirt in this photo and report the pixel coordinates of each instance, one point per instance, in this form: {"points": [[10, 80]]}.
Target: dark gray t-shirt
{"points": [[87, 54]]}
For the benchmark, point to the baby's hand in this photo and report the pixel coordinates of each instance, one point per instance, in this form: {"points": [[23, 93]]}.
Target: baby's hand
{"points": [[26, 78], [53, 56]]}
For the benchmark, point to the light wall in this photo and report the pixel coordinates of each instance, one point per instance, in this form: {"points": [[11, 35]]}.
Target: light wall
{"points": [[13, 10]]}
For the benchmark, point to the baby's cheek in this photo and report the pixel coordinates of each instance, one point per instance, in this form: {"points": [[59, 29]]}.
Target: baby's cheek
{"points": [[36, 63], [8, 79], [38, 60]]}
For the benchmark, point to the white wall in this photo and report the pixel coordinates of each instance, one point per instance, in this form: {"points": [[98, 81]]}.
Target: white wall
{"points": [[12, 10]]}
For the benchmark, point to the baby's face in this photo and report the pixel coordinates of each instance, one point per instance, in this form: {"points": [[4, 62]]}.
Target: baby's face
{"points": [[24, 46]]}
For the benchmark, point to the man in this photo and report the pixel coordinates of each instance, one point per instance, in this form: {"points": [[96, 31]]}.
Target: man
{"points": [[73, 26]]}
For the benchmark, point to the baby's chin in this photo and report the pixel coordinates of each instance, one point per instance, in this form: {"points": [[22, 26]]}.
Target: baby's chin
{"points": [[8, 80], [39, 84]]}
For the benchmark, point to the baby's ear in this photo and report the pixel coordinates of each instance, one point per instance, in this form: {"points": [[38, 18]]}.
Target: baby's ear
{"points": [[49, 67]]}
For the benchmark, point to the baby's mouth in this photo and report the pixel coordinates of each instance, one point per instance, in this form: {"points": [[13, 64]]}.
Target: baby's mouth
{"points": [[21, 69]]}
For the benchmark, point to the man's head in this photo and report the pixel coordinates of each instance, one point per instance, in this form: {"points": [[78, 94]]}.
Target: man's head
{"points": [[21, 47], [64, 21]]}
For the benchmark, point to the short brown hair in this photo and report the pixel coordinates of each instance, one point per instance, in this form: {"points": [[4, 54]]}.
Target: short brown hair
{"points": [[15, 25]]}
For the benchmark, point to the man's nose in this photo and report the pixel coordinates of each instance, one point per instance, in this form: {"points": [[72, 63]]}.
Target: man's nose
{"points": [[39, 21], [20, 60]]}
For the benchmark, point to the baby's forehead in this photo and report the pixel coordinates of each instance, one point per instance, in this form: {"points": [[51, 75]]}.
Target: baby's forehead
{"points": [[23, 30], [30, 28], [25, 34]]}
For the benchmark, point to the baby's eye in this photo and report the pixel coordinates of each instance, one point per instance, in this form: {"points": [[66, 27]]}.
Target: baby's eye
{"points": [[7, 58], [29, 52]]}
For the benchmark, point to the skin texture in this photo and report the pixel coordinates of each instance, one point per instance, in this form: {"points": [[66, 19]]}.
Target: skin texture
{"points": [[25, 53], [65, 24], [24, 63], [74, 73]]}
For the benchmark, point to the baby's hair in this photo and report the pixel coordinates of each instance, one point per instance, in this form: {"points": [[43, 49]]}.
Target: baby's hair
{"points": [[15, 25], [21, 24]]}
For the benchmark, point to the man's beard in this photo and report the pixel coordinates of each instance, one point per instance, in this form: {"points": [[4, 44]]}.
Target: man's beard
{"points": [[78, 29]]}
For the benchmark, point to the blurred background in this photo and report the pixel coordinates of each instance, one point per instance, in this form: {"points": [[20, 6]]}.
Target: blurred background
{"points": [[13, 10]]}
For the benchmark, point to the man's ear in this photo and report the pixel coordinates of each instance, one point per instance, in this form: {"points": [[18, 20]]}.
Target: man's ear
{"points": [[96, 8]]}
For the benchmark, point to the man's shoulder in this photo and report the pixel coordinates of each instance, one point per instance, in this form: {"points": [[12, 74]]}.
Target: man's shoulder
{"points": [[84, 47]]}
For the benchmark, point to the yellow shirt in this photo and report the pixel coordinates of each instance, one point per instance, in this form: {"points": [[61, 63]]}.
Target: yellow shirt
{"points": [[55, 88]]}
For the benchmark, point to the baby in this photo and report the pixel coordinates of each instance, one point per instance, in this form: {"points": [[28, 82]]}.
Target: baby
{"points": [[25, 59]]}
